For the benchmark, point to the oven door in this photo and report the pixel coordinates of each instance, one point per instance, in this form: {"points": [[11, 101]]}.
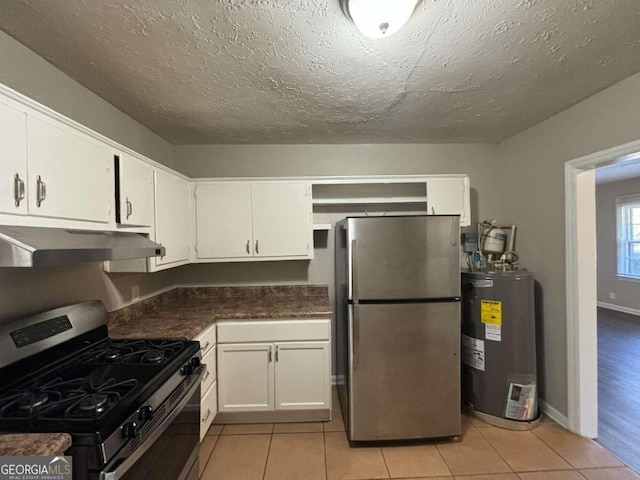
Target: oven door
{"points": [[170, 452]]}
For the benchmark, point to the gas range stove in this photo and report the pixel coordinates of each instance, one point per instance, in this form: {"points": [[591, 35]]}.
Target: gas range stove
{"points": [[61, 373]]}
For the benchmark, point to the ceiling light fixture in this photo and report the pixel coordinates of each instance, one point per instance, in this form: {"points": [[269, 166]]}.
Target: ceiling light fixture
{"points": [[379, 18]]}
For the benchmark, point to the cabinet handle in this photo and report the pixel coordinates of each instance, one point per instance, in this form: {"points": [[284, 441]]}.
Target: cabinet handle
{"points": [[41, 191], [257, 250], [18, 189], [204, 419], [206, 375], [277, 350], [248, 243], [206, 345], [270, 358], [129, 208]]}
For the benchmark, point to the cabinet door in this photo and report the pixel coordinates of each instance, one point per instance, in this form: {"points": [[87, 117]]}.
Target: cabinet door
{"points": [[172, 217], [136, 192], [245, 377], [13, 167], [223, 220], [282, 221], [302, 376], [447, 196], [70, 174]]}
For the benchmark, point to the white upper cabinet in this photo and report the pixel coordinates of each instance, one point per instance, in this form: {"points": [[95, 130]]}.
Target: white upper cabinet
{"points": [[282, 219], [70, 174], [223, 220], [13, 166], [449, 196], [253, 221], [135, 193], [172, 225]]}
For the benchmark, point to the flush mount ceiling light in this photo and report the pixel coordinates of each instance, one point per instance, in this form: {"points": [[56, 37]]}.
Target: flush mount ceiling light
{"points": [[378, 18]]}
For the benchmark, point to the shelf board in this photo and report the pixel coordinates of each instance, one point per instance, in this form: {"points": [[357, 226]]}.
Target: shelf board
{"points": [[369, 201], [322, 226]]}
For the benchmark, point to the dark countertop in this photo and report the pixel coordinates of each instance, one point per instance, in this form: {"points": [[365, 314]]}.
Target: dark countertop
{"points": [[184, 313], [19, 444]]}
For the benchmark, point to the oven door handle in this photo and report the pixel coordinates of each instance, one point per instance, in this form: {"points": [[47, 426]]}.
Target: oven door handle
{"points": [[111, 473]]}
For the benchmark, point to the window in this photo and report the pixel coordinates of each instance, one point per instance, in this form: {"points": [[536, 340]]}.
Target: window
{"points": [[628, 221]]}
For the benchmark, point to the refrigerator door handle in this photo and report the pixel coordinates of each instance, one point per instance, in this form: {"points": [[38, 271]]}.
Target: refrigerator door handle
{"points": [[354, 272]]}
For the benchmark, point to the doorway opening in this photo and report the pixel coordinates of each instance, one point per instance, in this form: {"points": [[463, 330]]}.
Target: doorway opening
{"points": [[581, 275], [618, 314]]}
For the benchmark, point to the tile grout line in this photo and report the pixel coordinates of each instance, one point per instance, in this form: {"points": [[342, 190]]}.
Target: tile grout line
{"points": [[496, 450], [266, 461], [324, 448], [567, 460], [384, 459], [551, 447], [444, 460], [210, 455]]}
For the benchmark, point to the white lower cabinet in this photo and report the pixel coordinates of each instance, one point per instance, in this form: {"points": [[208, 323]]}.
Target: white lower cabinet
{"points": [[301, 373], [208, 409], [274, 375], [246, 377], [209, 386]]}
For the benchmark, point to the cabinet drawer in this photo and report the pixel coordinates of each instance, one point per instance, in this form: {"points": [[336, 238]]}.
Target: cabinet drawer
{"points": [[210, 375], [207, 340], [273, 330], [208, 409]]}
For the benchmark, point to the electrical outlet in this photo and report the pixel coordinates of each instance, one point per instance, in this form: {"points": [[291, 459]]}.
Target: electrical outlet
{"points": [[135, 292], [612, 296]]}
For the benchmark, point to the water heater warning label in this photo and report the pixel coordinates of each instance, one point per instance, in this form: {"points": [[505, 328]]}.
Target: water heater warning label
{"points": [[491, 312], [473, 352]]}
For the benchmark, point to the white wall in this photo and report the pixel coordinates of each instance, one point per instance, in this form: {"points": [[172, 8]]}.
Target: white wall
{"points": [[25, 291], [532, 196], [627, 291]]}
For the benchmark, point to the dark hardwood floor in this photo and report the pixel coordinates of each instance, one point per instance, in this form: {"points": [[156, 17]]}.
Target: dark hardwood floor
{"points": [[619, 385]]}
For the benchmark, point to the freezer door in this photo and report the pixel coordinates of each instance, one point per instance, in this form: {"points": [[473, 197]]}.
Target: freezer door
{"points": [[404, 257], [404, 375]]}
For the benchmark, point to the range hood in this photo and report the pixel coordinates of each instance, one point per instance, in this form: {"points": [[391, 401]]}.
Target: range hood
{"points": [[39, 246]]}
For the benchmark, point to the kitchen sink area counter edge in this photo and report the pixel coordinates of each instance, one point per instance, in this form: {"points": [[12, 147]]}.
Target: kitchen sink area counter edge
{"points": [[186, 312]]}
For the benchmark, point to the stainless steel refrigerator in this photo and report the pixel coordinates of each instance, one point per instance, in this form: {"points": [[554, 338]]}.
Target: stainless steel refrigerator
{"points": [[398, 326]]}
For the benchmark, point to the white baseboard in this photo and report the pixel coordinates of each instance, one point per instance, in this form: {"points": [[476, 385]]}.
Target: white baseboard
{"points": [[554, 414], [618, 308]]}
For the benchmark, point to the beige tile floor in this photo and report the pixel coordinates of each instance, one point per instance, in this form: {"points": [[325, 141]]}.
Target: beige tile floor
{"points": [[320, 451]]}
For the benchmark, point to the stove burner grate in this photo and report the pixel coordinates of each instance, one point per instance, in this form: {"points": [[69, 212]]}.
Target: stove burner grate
{"points": [[135, 352], [59, 399]]}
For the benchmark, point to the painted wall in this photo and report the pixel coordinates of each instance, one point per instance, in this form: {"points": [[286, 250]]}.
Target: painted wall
{"points": [[25, 291], [532, 196], [28, 73], [626, 291], [479, 161]]}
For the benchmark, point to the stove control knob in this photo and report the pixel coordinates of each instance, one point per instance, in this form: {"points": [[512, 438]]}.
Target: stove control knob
{"points": [[145, 413], [186, 369], [195, 362], [129, 430]]}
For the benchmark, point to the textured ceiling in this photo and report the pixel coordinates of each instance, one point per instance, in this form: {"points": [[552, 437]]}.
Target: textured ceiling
{"points": [[297, 71]]}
